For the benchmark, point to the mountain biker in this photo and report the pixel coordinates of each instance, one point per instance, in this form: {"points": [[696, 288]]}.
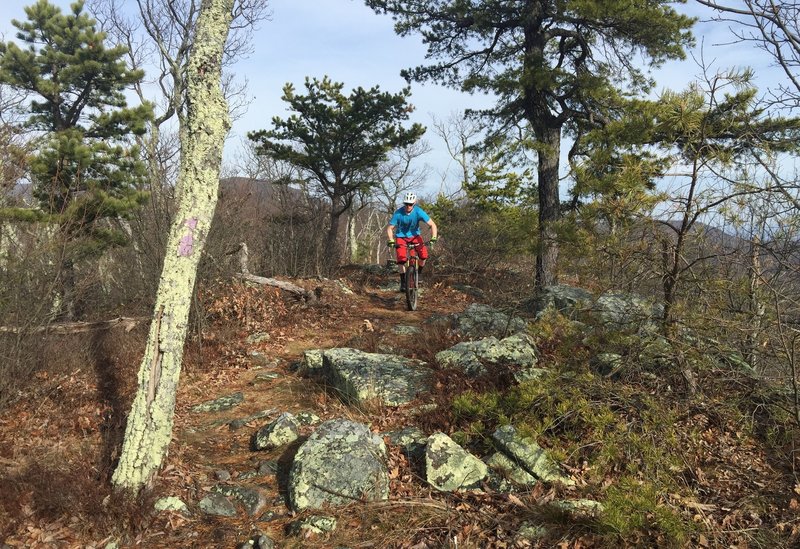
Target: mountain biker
{"points": [[404, 226]]}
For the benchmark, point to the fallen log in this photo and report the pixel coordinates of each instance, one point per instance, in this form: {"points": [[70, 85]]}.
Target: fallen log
{"points": [[302, 293], [77, 327]]}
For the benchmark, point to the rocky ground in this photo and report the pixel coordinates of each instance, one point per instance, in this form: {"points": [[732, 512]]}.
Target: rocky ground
{"points": [[253, 397]]}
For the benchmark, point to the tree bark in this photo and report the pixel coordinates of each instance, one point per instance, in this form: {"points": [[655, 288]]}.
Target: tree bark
{"points": [[149, 426], [549, 206]]}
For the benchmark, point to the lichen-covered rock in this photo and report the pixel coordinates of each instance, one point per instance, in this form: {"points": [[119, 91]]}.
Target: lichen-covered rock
{"points": [[311, 364], [502, 463], [219, 404], [283, 430], [607, 363], [404, 330], [171, 504], [360, 376], [258, 337], [448, 467], [531, 532], [578, 507], [479, 320], [218, 505], [314, 524], [568, 300], [472, 356], [252, 499], [307, 418], [625, 311], [341, 462], [529, 455]]}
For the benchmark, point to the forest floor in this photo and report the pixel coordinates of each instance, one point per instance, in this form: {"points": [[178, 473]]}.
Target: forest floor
{"points": [[60, 437]]}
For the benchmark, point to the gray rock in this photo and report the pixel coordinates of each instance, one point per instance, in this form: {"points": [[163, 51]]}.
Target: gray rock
{"points": [[252, 499], [307, 418], [607, 363], [568, 300], [282, 431], [171, 504], [579, 507], [219, 404], [469, 290], [531, 532], [529, 455], [260, 360], [502, 463], [257, 337], [222, 475], [406, 330], [472, 356], [311, 363], [626, 311], [218, 505], [313, 525], [479, 320], [258, 540], [448, 467], [360, 376], [341, 462]]}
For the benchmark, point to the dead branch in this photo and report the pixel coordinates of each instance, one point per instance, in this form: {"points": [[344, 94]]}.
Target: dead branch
{"points": [[127, 323]]}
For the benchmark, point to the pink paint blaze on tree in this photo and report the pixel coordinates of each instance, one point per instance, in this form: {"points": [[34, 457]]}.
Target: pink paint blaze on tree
{"points": [[186, 245]]}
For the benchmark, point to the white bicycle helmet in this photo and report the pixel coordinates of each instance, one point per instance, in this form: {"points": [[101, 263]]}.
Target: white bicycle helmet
{"points": [[410, 198]]}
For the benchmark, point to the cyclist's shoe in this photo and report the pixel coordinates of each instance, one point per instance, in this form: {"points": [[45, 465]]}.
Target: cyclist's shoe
{"points": [[402, 284]]}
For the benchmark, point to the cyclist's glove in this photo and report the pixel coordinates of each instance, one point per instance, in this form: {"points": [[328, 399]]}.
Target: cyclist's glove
{"points": [[433, 240], [390, 243]]}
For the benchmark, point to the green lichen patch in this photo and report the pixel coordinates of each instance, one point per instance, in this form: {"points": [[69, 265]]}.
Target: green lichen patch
{"points": [[529, 455], [362, 377], [282, 431], [448, 467], [340, 463], [219, 404]]}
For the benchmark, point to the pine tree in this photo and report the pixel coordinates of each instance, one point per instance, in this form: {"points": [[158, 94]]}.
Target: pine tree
{"points": [[338, 140], [85, 169], [552, 64]]}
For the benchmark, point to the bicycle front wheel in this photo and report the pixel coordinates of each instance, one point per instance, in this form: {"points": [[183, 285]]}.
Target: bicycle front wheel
{"points": [[412, 287]]}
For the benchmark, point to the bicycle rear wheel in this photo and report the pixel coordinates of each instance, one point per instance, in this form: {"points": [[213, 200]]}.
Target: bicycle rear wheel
{"points": [[412, 287]]}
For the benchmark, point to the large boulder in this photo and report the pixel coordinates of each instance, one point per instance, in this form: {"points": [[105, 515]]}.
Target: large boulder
{"points": [[448, 467], [626, 311], [341, 462], [473, 356], [529, 455], [479, 321], [568, 300], [360, 376]]}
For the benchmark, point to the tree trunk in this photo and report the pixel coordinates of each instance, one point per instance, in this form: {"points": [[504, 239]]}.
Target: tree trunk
{"points": [[149, 426], [352, 239], [757, 308], [549, 207], [334, 243]]}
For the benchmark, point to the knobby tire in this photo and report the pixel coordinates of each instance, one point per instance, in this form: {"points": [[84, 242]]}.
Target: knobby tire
{"points": [[412, 287]]}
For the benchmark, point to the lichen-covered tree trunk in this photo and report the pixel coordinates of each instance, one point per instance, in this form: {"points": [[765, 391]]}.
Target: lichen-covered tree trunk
{"points": [[149, 426]]}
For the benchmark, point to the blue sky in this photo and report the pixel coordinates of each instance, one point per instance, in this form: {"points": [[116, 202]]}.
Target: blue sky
{"points": [[350, 43]]}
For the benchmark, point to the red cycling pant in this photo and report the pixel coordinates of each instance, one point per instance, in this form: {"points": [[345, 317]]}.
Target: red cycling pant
{"points": [[402, 248]]}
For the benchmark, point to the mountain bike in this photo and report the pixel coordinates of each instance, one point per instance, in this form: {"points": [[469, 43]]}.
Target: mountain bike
{"points": [[412, 277]]}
